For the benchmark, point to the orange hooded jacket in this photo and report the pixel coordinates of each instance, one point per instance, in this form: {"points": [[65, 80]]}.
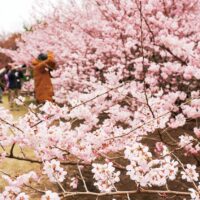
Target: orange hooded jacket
{"points": [[42, 78]]}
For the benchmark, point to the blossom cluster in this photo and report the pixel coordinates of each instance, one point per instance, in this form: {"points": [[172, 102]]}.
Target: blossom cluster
{"points": [[190, 144], [54, 171], [13, 190], [147, 171], [49, 195], [105, 176], [195, 194]]}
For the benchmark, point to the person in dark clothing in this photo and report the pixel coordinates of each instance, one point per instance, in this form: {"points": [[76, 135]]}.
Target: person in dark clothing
{"points": [[5, 75], [1, 91], [19, 76], [14, 77], [4, 81]]}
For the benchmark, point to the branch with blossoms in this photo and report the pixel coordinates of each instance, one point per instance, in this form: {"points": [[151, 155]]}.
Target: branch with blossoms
{"points": [[58, 172], [55, 173], [106, 174]]}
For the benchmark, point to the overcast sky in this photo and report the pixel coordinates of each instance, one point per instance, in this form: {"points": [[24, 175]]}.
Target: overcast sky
{"points": [[15, 13]]}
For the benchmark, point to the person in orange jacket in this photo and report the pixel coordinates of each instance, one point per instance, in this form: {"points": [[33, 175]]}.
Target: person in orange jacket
{"points": [[42, 78]]}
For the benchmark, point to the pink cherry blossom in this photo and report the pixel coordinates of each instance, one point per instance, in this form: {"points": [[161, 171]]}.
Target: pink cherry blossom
{"points": [[190, 173], [54, 171], [49, 195]]}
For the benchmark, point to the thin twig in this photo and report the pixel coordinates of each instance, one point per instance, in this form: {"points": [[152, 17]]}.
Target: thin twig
{"points": [[69, 194], [196, 187], [84, 183]]}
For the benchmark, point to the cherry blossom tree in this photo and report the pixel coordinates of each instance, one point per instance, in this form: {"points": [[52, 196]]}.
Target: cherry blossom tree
{"points": [[127, 79]]}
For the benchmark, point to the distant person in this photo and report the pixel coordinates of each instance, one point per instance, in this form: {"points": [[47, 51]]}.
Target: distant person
{"points": [[14, 78], [19, 76], [2, 84], [1, 91], [42, 78], [6, 73], [5, 80]]}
